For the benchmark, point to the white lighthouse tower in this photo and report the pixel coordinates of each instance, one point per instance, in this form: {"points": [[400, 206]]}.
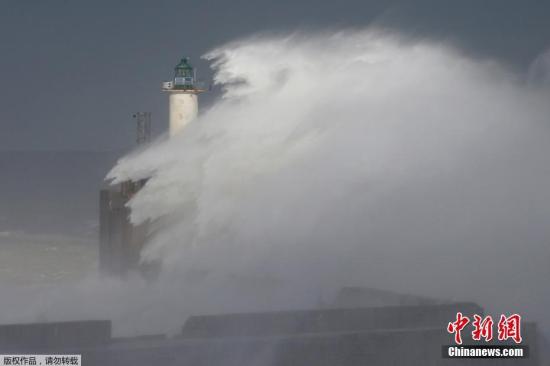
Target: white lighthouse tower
{"points": [[183, 92]]}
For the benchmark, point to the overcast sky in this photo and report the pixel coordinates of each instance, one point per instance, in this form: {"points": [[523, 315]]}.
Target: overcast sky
{"points": [[73, 72]]}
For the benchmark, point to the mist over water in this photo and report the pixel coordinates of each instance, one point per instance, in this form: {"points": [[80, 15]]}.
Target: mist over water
{"points": [[336, 159]]}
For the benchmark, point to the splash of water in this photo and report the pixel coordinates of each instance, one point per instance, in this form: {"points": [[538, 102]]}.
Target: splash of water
{"points": [[358, 158], [349, 158]]}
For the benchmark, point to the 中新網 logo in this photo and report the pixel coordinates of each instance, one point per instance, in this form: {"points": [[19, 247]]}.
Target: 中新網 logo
{"points": [[508, 327]]}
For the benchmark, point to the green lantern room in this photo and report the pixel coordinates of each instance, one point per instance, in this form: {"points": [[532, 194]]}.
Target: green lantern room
{"points": [[184, 77]]}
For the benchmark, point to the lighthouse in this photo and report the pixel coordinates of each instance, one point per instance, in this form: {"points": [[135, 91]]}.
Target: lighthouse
{"points": [[183, 91]]}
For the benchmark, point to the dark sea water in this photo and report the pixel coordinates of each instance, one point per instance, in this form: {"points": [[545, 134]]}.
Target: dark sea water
{"points": [[52, 191]]}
